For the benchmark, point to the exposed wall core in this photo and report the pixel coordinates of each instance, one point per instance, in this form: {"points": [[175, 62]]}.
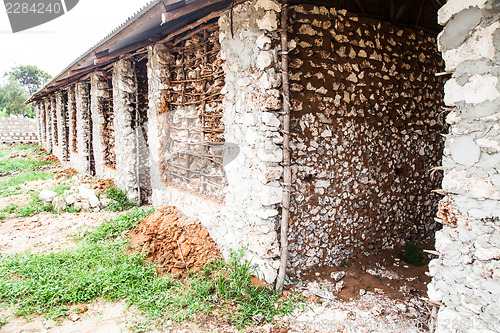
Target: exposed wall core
{"points": [[72, 120], [103, 139], [366, 130], [192, 102], [141, 128]]}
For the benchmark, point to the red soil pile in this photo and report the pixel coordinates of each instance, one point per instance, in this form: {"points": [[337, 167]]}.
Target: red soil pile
{"points": [[103, 184], [51, 158], [167, 231], [65, 172]]}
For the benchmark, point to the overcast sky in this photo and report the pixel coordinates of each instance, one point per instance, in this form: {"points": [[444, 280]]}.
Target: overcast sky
{"points": [[54, 45]]}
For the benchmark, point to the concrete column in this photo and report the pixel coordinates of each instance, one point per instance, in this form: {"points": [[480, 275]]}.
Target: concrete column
{"points": [[124, 101], [466, 276], [84, 127]]}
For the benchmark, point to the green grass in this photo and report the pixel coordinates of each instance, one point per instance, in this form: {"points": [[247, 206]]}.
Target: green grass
{"points": [[20, 170], [12, 184], [413, 254], [35, 206], [119, 225], [119, 197], [104, 267]]}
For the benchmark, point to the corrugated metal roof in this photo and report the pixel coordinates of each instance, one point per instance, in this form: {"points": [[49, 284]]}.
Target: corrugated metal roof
{"points": [[103, 41]]}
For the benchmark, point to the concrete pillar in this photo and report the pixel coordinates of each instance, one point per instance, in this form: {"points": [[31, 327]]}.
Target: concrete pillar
{"points": [[84, 127], [124, 101], [466, 276]]}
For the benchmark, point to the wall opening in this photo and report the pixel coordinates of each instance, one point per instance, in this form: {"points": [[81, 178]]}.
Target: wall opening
{"points": [[366, 128], [192, 151]]}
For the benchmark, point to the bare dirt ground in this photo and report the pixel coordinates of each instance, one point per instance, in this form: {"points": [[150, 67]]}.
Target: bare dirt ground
{"points": [[378, 292]]}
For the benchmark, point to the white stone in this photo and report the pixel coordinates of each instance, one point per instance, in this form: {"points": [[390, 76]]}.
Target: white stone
{"points": [[453, 7], [268, 5], [460, 182], [270, 195], [265, 60], [465, 151], [479, 45], [478, 89], [487, 253], [59, 204], [70, 199], [270, 120], [47, 196], [268, 22], [263, 42]]}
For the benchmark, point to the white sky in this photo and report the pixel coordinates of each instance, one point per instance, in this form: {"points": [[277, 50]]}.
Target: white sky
{"points": [[54, 45]]}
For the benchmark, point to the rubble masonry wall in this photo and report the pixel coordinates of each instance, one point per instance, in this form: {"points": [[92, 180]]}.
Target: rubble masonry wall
{"points": [[72, 133], [124, 100], [365, 132], [84, 127], [466, 275], [62, 126], [191, 204], [250, 44], [99, 94]]}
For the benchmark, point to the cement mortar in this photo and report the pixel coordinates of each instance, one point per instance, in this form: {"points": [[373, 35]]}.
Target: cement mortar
{"points": [[466, 275]]}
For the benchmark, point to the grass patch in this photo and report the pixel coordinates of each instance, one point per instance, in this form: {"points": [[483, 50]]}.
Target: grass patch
{"points": [[119, 225], [104, 267], [413, 254], [35, 206], [120, 201], [12, 184]]}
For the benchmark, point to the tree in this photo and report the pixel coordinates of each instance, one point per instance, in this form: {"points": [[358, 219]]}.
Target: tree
{"points": [[12, 98], [30, 77]]}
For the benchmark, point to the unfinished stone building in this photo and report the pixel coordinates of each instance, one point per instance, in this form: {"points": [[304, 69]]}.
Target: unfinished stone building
{"points": [[226, 110]]}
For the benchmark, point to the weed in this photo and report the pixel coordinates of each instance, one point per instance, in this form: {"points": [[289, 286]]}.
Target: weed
{"points": [[119, 225], [35, 206], [413, 254], [104, 266], [119, 199]]}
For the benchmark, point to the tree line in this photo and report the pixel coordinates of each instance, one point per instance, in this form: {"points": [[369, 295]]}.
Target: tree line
{"points": [[21, 83]]}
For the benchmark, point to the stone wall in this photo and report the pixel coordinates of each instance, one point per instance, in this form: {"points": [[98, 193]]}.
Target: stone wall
{"points": [[189, 203], [366, 130], [48, 122], [124, 102], [250, 46], [102, 125], [141, 129], [62, 125], [466, 275], [84, 128], [72, 128], [18, 130], [54, 122]]}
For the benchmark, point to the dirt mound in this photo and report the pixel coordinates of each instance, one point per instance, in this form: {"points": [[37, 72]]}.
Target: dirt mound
{"points": [[65, 172], [167, 231], [103, 184], [51, 158]]}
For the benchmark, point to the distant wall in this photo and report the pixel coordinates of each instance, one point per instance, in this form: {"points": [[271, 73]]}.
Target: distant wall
{"points": [[18, 130]]}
